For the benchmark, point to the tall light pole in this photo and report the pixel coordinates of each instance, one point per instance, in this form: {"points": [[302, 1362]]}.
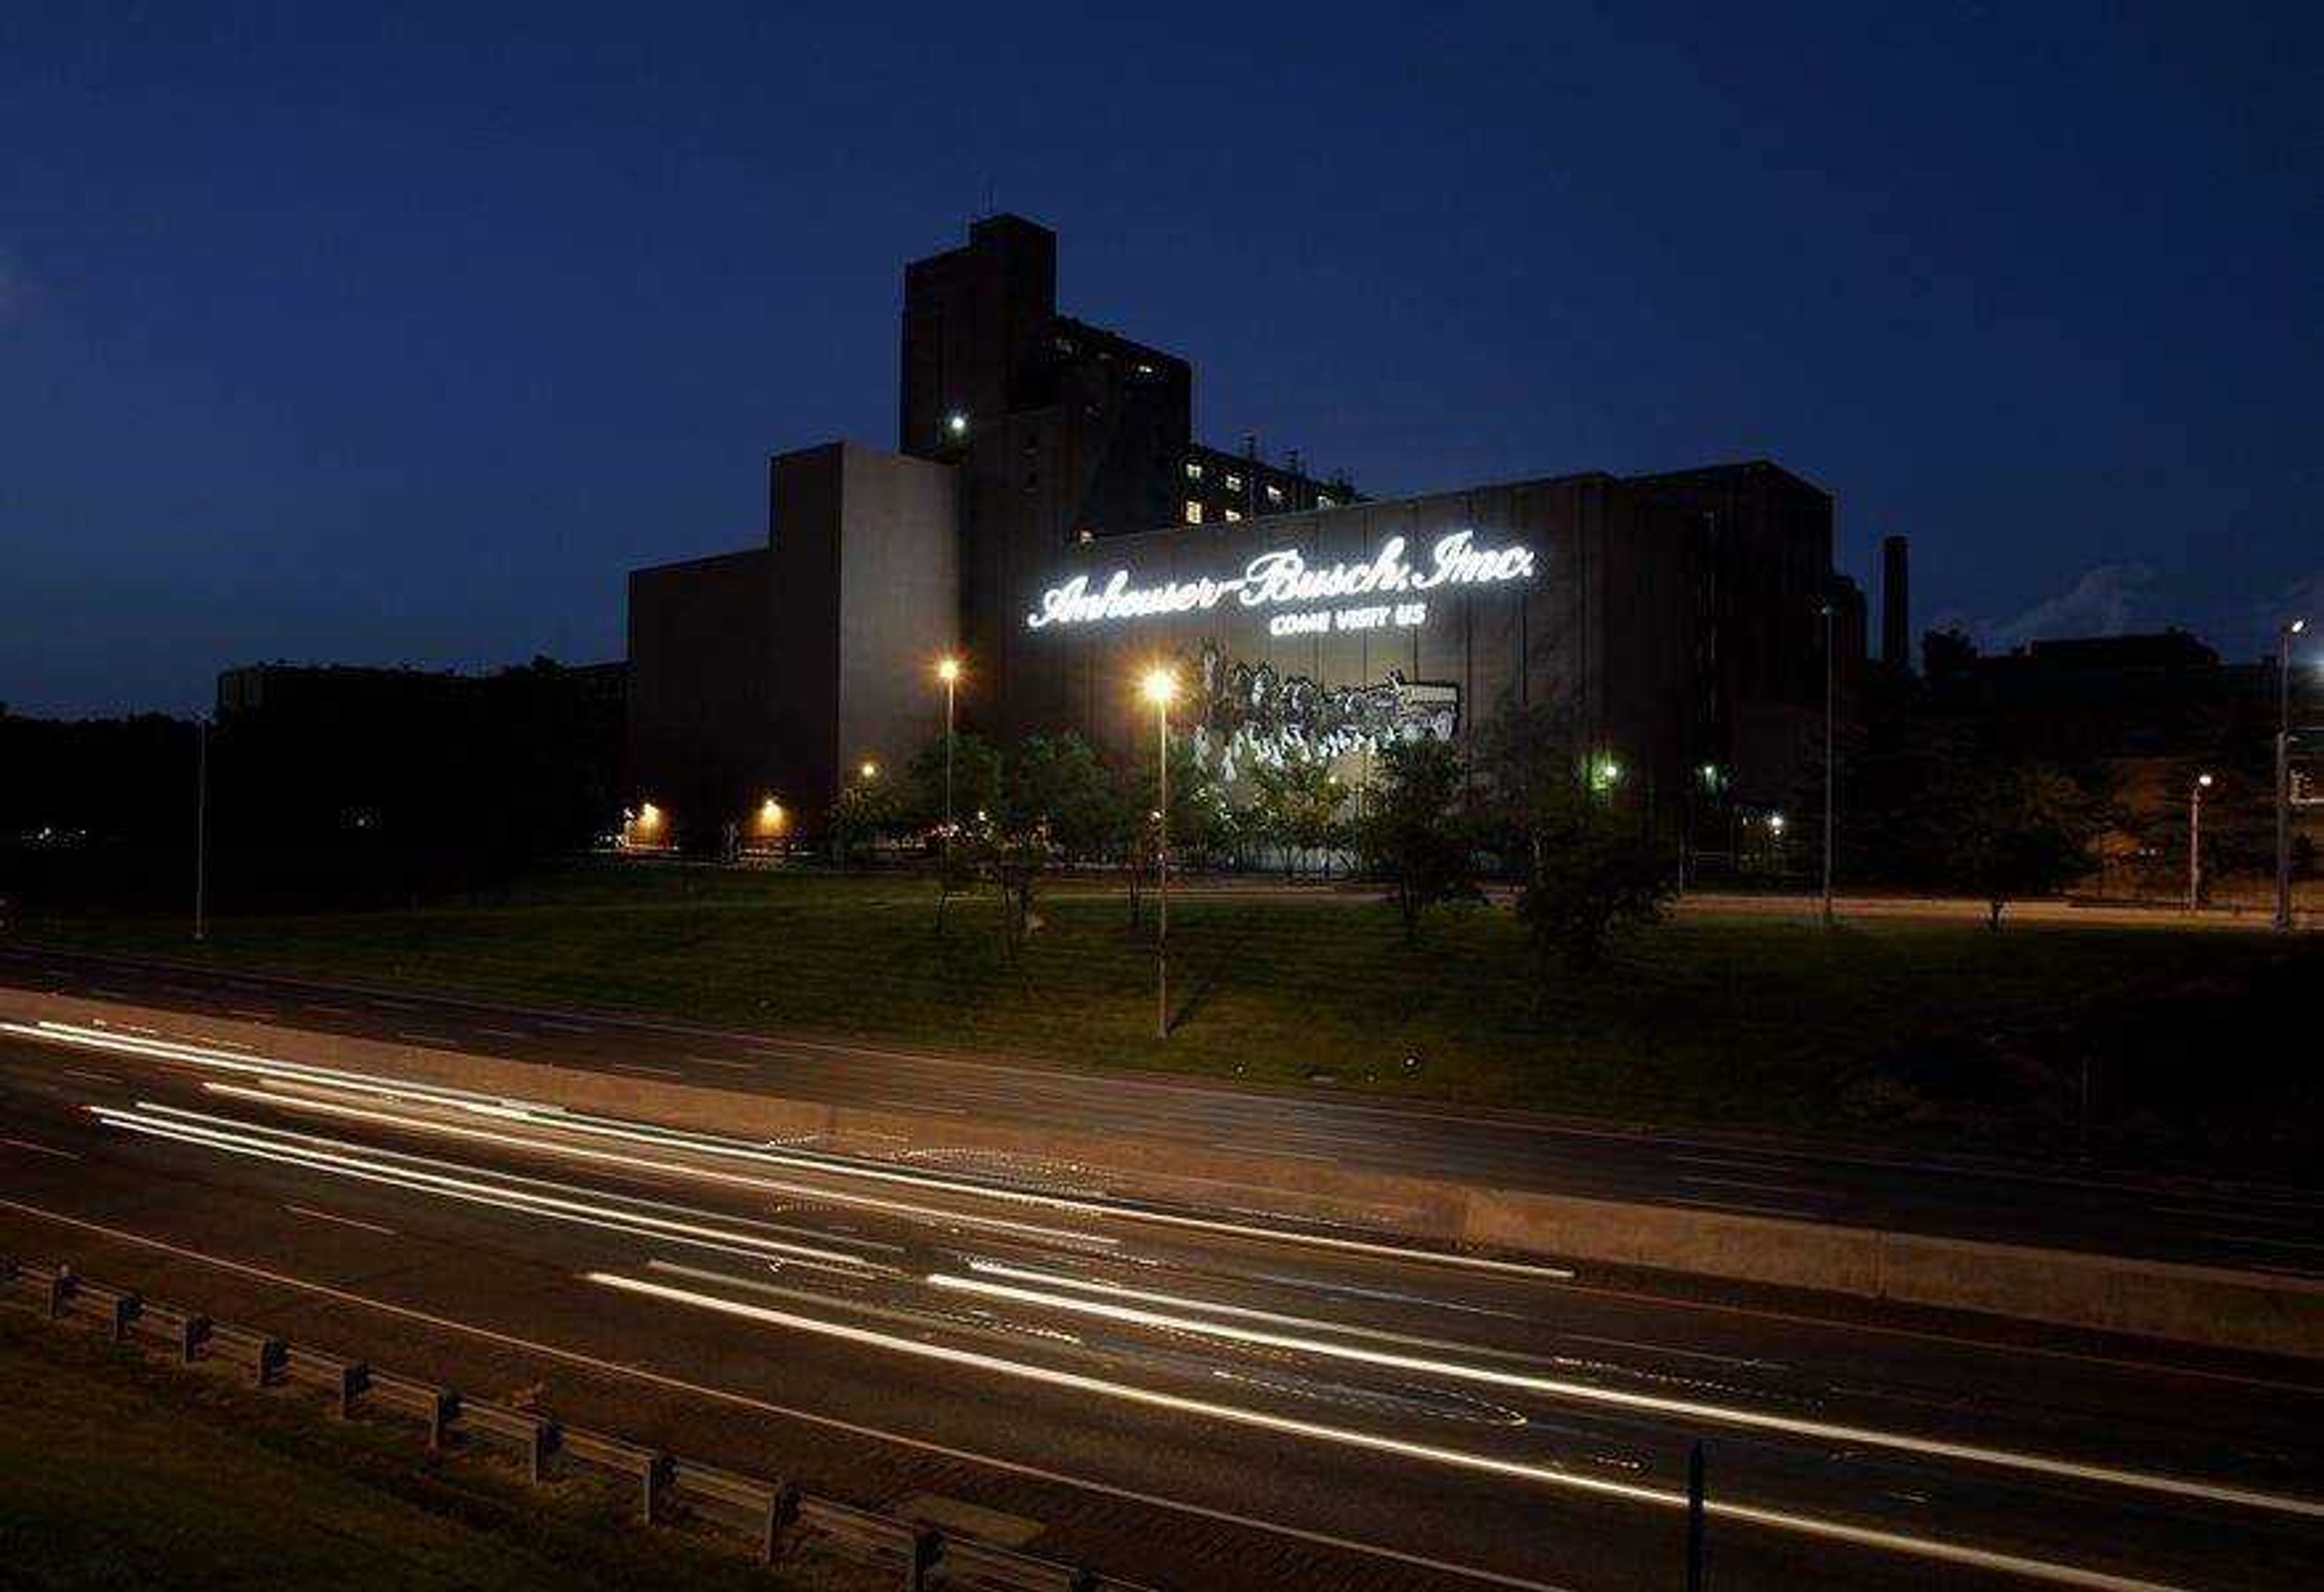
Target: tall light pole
{"points": [[948, 671], [2195, 841], [2284, 774], [1827, 755], [1160, 686], [201, 825]]}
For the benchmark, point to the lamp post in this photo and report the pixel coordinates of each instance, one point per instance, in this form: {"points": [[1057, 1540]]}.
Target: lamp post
{"points": [[2195, 841], [948, 671], [2284, 774], [1828, 753], [1160, 686], [201, 827]]}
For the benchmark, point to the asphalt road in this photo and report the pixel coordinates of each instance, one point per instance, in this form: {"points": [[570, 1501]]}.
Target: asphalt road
{"points": [[2204, 1221], [1200, 1402]]}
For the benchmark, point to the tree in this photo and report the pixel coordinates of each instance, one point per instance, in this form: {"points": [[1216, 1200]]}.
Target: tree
{"points": [[1058, 783], [2010, 827], [1295, 805], [1413, 831], [976, 781], [864, 810], [1587, 871]]}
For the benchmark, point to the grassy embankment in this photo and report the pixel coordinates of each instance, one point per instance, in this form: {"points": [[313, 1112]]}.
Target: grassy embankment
{"points": [[1939, 1030], [120, 1472]]}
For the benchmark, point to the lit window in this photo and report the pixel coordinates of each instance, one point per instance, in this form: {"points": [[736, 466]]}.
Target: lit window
{"points": [[1194, 512], [1194, 470], [1234, 483], [1144, 369], [1232, 516], [1274, 493]]}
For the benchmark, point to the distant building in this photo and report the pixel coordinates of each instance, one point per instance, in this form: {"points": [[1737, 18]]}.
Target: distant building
{"points": [[1051, 518]]}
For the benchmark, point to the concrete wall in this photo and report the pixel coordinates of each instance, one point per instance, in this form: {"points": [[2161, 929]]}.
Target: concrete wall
{"points": [[898, 604], [700, 727]]}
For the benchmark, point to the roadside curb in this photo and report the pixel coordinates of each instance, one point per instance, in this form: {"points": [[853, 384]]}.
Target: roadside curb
{"points": [[2212, 1305]]}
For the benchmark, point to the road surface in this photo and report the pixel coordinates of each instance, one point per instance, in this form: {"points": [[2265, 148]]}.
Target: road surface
{"points": [[1190, 1397], [2204, 1221]]}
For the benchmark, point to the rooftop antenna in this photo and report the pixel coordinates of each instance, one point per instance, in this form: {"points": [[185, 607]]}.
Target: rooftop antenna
{"points": [[988, 196]]}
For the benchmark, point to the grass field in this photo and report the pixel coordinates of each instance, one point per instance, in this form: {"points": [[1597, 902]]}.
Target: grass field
{"points": [[120, 1472], [1941, 1029]]}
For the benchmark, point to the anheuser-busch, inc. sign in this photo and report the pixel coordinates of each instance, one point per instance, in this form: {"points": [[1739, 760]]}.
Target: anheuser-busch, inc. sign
{"points": [[1284, 576]]}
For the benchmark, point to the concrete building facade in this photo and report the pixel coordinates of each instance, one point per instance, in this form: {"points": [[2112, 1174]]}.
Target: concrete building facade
{"points": [[1051, 518]]}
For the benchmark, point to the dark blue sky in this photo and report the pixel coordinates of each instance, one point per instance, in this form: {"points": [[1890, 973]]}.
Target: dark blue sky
{"points": [[401, 340]]}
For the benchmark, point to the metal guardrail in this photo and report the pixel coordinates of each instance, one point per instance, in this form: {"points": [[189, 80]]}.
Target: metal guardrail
{"points": [[773, 1516]]}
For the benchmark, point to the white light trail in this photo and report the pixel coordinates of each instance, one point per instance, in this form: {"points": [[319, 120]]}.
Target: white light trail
{"points": [[833, 1165], [467, 1190], [1346, 1437], [1582, 1392]]}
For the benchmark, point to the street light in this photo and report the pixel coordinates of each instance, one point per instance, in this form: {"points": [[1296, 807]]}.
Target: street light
{"points": [[1160, 686], [869, 769], [201, 825], [2284, 774], [1827, 762], [948, 671], [2195, 841]]}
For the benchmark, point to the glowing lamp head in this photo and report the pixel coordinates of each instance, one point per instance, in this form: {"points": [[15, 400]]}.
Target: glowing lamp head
{"points": [[1160, 686], [2296, 627], [1776, 822], [2202, 782], [869, 769], [956, 423], [947, 669]]}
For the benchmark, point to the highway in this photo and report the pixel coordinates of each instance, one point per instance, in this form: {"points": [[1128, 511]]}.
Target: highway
{"points": [[2204, 1221], [1194, 1398]]}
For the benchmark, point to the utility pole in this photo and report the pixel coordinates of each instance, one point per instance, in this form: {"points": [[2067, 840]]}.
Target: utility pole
{"points": [[2284, 774], [1160, 686], [1829, 752], [2195, 841], [201, 825]]}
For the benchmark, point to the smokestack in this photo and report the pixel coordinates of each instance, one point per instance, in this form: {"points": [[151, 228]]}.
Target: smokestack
{"points": [[1895, 606]]}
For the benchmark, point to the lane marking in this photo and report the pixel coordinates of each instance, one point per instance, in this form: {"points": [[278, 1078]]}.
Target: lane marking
{"points": [[1789, 1213], [1373, 1442], [1587, 1392], [1273, 1150], [725, 1061], [506, 1033], [92, 1077], [635, 1372], [42, 1149], [436, 1040], [325, 1215], [1748, 1183]]}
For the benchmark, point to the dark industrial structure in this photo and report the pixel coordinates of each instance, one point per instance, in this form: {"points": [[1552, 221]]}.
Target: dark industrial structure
{"points": [[1051, 519]]}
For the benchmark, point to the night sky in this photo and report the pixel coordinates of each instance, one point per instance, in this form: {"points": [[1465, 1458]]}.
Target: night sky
{"points": [[401, 340]]}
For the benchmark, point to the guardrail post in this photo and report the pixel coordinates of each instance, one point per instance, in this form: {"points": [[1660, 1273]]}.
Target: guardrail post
{"points": [[271, 1353], [354, 1379], [928, 1548], [782, 1511], [442, 1409], [192, 1333], [536, 1452], [1694, 1500], [125, 1307], [656, 1478], [61, 1284]]}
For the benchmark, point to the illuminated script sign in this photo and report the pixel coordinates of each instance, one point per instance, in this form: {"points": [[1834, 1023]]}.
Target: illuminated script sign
{"points": [[1284, 576]]}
